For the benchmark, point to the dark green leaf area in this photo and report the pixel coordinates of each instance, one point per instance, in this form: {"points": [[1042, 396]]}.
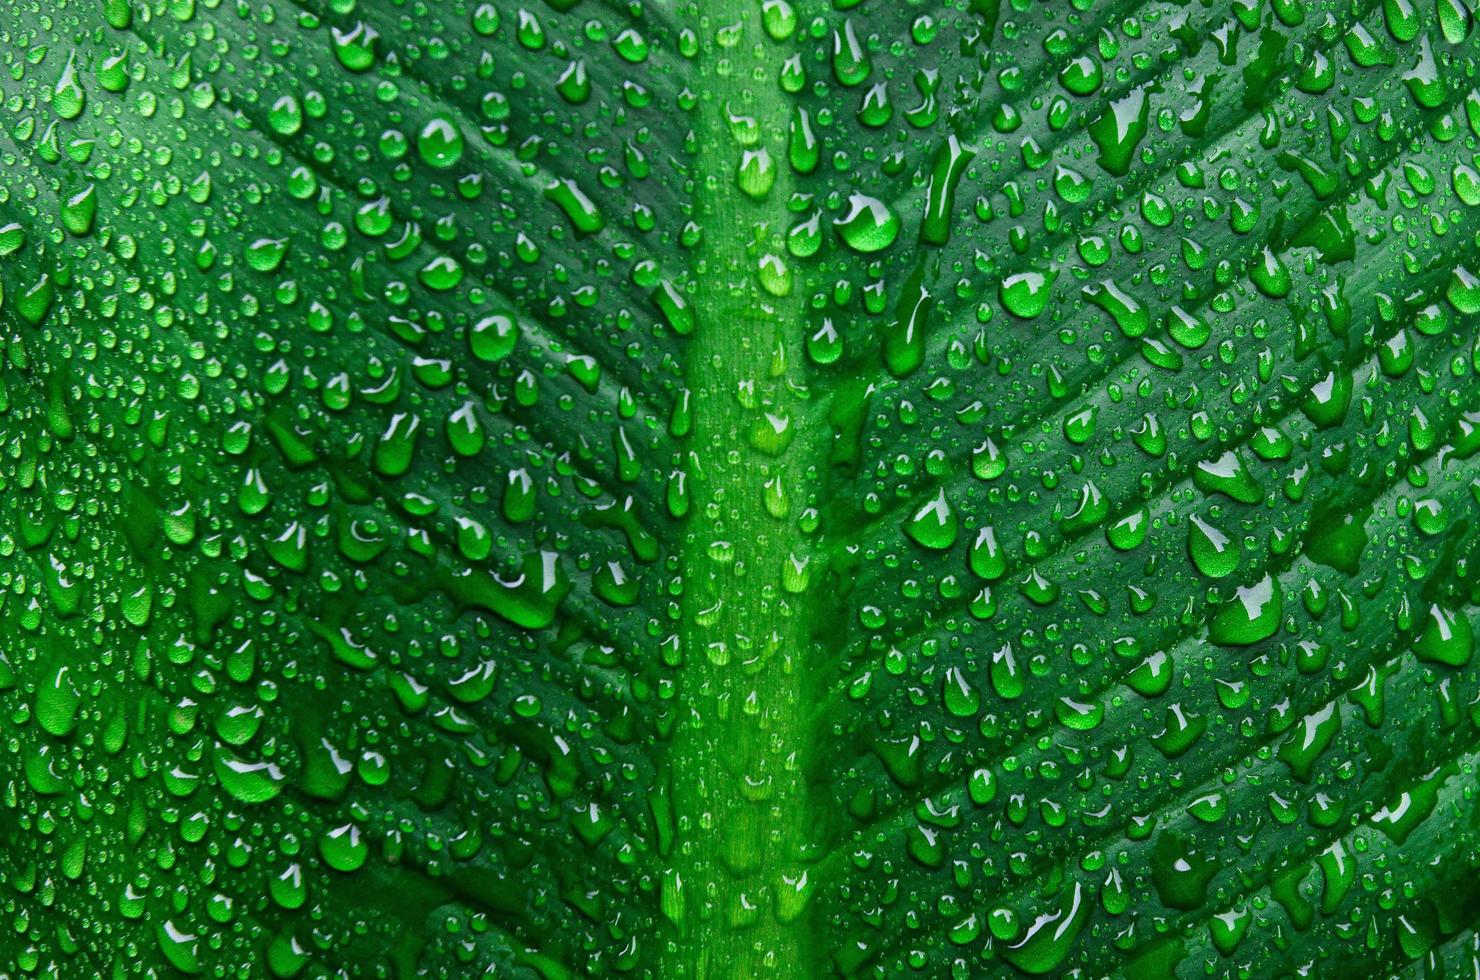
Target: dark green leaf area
{"points": [[739, 488]]}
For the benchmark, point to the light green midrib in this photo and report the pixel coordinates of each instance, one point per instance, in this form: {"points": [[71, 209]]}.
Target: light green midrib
{"points": [[734, 765]]}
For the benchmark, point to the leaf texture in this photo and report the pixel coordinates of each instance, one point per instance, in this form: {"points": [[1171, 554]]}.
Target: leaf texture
{"points": [[737, 488]]}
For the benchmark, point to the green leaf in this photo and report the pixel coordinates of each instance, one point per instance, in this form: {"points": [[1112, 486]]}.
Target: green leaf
{"points": [[737, 488]]}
